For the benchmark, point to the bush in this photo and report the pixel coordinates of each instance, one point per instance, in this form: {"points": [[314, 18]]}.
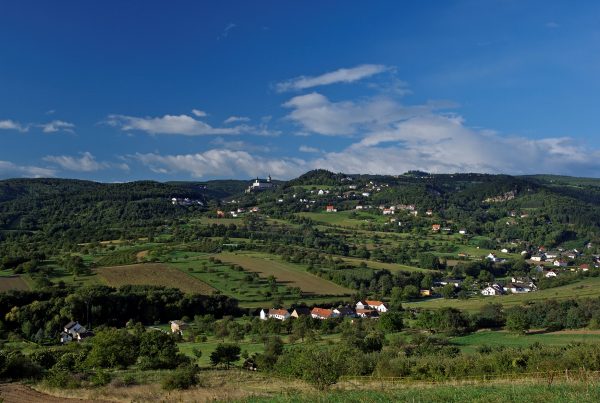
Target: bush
{"points": [[181, 378], [57, 378], [101, 378]]}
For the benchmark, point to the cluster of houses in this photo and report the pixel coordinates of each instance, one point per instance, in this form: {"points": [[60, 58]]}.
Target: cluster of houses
{"points": [[74, 331], [362, 309], [517, 285]]}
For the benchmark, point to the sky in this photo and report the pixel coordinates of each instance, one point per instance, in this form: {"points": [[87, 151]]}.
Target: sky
{"points": [[118, 91]]}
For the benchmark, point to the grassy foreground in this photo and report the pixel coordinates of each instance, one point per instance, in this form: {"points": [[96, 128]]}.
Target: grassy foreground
{"points": [[565, 392]]}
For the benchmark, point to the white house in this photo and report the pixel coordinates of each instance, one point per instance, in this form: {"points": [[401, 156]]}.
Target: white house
{"points": [[74, 331], [372, 304], [279, 314], [550, 273], [560, 263], [538, 258], [463, 232], [493, 289]]}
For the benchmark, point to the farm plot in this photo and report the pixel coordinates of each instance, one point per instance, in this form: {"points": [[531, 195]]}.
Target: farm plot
{"points": [[290, 274], [13, 283], [153, 274]]}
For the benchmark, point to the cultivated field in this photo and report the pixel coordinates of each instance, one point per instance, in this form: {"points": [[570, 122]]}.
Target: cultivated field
{"points": [[13, 283], [152, 274], [380, 265], [288, 273]]}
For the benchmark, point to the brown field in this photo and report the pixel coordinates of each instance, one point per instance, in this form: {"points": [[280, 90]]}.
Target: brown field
{"points": [[152, 274], [13, 283], [288, 273]]}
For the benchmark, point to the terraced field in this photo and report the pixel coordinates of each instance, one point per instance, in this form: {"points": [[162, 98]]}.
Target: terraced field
{"points": [[152, 274], [290, 274]]}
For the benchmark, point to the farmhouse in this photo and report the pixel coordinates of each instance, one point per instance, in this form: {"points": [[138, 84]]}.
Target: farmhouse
{"points": [[436, 227], [560, 263], [493, 289], [279, 314], [519, 288], [330, 209], [538, 258], [322, 313], [74, 331], [550, 273], [377, 305]]}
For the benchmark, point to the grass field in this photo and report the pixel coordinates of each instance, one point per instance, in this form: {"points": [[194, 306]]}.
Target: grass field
{"points": [[589, 287], [152, 274], [343, 219], [290, 274], [8, 283], [471, 342], [380, 265]]}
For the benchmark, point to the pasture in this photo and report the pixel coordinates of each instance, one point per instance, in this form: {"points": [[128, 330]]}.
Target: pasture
{"points": [[152, 274], [292, 275]]}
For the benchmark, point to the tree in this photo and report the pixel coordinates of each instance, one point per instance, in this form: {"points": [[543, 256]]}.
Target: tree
{"points": [[410, 292], [391, 322], [448, 291], [113, 348], [517, 320], [158, 350], [225, 354]]}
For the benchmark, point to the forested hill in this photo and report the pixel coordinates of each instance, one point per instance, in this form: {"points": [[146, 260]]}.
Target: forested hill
{"points": [[539, 209], [80, 211]]}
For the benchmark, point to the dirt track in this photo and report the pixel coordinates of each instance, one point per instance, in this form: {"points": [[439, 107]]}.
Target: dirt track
{"points": [[19, 393]]}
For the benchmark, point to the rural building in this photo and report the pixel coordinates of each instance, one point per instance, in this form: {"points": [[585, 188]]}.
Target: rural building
{"points": [[436, 227], [74, 331], [550, 273], [322, 313], [493, 289], [560, 263], [330, 209], [279, 314], [300, 311], [344, 311], [367, 313], [371, 304]]}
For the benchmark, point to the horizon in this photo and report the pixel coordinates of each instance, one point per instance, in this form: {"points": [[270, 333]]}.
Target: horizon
{"points": [[118, 92]]}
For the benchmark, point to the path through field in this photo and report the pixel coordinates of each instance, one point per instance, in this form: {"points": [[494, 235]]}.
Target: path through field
{"points": [[19, 393]]}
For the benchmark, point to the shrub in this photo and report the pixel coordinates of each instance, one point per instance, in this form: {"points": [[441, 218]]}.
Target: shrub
{"points": [[181, 378]]}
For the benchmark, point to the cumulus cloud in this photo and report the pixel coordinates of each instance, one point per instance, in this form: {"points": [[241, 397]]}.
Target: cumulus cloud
{"points": [[170, 124], [182, 125], [221, 163], [317, 114], [85, 163], [9, 169], [56, 126], [444, 144], [344, 75], [12, 125]]}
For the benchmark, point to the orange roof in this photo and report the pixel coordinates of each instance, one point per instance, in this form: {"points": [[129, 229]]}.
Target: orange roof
{"points": [[322, 312], [374, 303], [281, 312]]}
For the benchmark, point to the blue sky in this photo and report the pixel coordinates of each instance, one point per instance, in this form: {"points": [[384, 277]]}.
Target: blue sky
{"points": [[187, 90]]}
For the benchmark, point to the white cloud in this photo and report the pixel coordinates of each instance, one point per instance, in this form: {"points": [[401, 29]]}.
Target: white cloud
{"points": [[57, 125], [86, 163], [344, 75], [12, 125], [170, 124], [199, 113], [8, 169], [552, 25], [234, 119], [222, 163], [317, 114], [307, 149], [443, 144]]}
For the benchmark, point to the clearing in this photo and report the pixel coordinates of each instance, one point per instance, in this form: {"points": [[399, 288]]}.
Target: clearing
{"points": [[290, 274], [152, 274]]}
